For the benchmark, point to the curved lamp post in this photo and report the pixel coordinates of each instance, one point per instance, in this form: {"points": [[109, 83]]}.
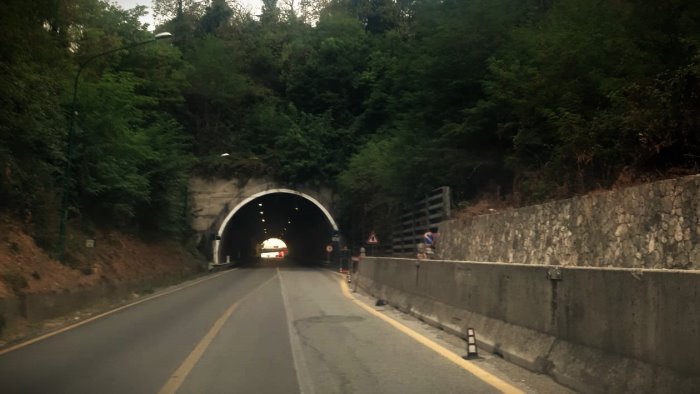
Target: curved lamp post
{"points": [[71, 133]]}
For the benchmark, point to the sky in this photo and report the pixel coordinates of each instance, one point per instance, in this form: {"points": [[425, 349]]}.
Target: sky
{"points": [[127, 4]]}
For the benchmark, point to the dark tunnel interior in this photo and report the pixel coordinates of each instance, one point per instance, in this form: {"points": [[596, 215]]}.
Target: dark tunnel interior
{"points": [[292, 218]]}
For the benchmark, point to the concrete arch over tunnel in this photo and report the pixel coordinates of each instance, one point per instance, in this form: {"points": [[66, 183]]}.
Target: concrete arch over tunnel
{"points": [[308, 231]]}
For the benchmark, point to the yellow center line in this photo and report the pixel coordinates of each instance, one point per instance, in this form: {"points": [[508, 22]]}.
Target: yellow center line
{"points": [[454, 358], [105, 314], [178, 377]]}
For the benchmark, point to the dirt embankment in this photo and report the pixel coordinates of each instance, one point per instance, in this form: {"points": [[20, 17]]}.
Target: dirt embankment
{"points": [[116, 260]]}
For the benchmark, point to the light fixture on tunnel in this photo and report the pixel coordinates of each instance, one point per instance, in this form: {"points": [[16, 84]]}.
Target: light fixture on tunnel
{"points": [[289, 222], [261, 212], [260, 204], [296, 208], [263, 220]]}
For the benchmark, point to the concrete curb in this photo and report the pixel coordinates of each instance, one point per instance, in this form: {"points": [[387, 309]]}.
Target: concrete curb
{"points": [[215, 267]]}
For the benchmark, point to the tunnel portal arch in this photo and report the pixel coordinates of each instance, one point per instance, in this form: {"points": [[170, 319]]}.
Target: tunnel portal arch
{"points": [[249, 199]]}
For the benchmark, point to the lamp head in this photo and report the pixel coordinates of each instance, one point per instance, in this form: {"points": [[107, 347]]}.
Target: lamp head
{"points": [[163, 35]]}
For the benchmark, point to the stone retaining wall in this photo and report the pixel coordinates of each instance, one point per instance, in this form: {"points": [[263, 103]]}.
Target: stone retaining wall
{"points": [[654, 225]]}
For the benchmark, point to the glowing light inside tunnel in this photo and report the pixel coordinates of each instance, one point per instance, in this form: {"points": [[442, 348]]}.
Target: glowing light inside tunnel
{"points": [[273, 248], [217, 243]]}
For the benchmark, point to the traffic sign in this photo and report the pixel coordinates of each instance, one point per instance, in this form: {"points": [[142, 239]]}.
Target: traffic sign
{"points": [[372, 240], [329, 248]]}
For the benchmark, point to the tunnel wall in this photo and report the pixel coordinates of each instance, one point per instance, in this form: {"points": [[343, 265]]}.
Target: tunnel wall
{"points": [[212, 199], [594, 329]]}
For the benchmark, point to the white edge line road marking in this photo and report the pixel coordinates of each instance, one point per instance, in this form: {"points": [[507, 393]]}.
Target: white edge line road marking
{"points": [[454, 358], [303, 377], [178, 377], [105, 314]]}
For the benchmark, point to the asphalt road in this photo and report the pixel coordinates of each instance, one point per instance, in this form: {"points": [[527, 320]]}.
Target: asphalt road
{"points": [[254, 330]]}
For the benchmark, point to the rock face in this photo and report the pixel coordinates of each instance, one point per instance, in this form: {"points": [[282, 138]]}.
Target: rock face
{"points": [[649, 226]]}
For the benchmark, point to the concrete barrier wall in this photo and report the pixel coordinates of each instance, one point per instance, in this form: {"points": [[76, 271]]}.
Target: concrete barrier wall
{"points": [[34, 308], [655, 225], [593, 329]]}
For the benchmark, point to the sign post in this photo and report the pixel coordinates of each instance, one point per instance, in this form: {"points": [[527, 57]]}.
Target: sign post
{"points": [[371, 241], [329, 249]]}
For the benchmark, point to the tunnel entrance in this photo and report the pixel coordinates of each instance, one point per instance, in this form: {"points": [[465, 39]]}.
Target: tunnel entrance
{"points": [[299, 220]]}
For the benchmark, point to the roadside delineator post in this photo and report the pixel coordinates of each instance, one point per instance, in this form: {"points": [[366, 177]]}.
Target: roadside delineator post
{"points": [[472, 352]]}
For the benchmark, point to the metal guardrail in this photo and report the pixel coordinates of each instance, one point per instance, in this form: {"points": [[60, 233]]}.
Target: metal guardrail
{"points": [[424, 214]]}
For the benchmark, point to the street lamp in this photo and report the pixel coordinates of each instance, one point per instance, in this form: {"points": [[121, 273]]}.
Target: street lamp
{"points": [[71, 134]]}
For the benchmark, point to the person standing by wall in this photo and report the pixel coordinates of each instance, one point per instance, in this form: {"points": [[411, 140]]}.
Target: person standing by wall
{"points": [[428, 241]]}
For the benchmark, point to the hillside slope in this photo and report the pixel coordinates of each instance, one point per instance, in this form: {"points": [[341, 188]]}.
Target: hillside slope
{"points": [[117, 260]]}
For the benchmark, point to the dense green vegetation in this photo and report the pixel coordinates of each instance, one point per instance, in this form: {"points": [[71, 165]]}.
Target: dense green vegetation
{"points": [[521, 99]]}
